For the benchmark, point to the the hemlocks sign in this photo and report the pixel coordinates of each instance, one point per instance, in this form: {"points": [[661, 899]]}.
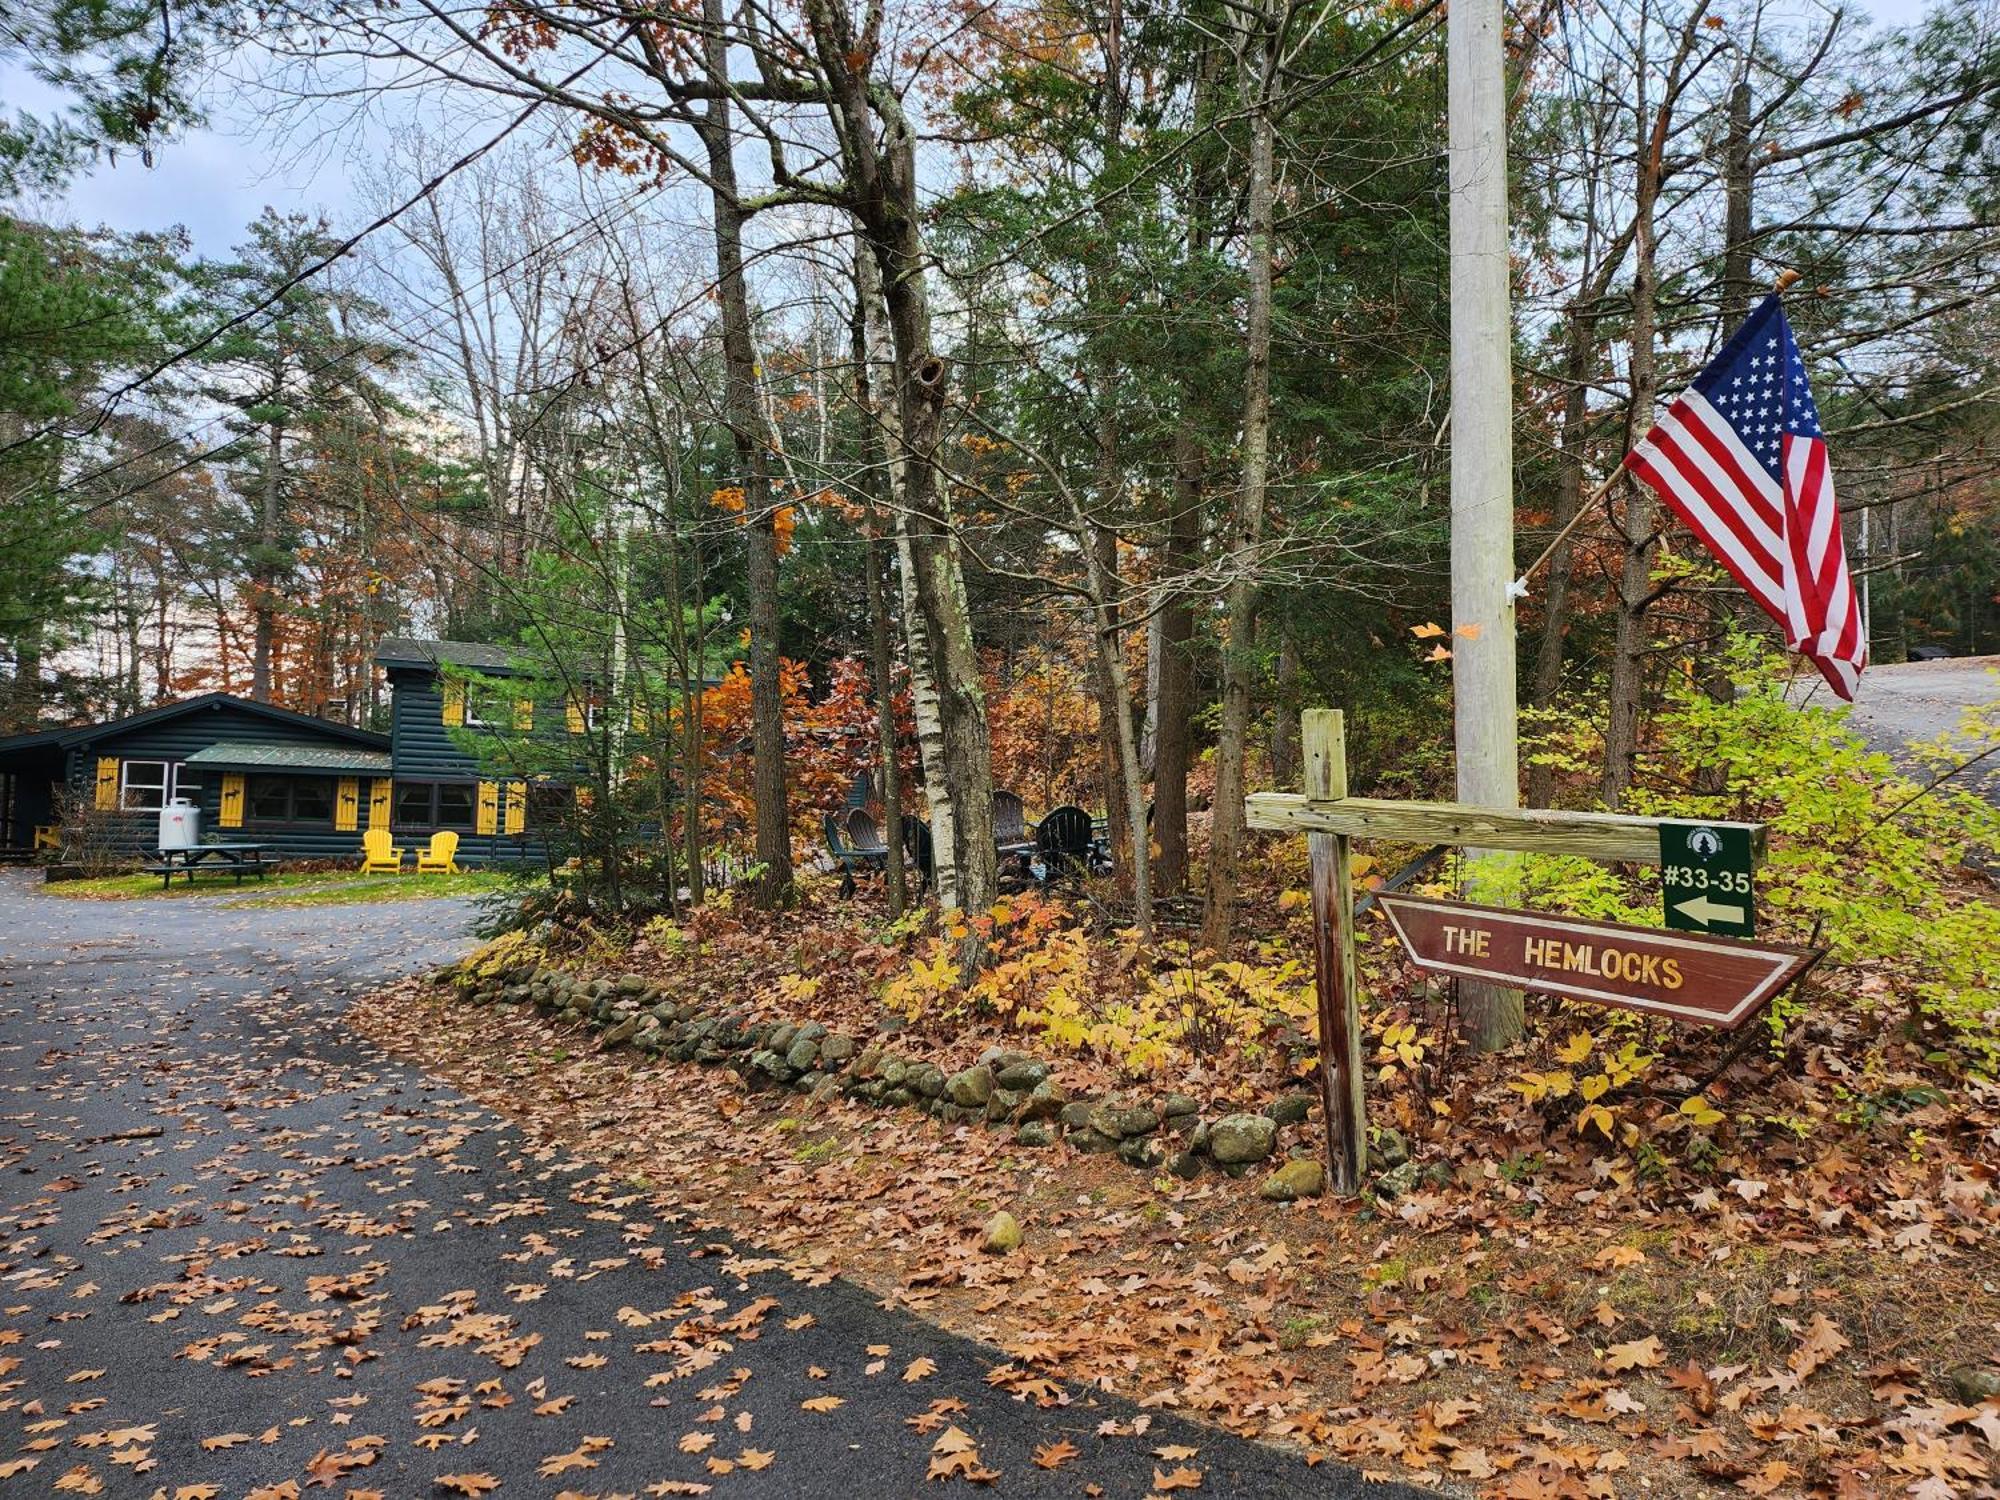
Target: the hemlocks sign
{"points": [[1707, 981]]}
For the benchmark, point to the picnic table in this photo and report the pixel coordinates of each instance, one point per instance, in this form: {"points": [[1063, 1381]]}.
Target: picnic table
{"points": [[238, 859]]}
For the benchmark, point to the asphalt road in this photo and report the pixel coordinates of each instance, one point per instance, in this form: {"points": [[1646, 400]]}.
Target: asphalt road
{"points": [[1915, 701], [323, 1255]]}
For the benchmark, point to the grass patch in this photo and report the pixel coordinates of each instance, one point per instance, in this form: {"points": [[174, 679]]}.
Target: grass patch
{"points": [[365, 890], [285, 888]]}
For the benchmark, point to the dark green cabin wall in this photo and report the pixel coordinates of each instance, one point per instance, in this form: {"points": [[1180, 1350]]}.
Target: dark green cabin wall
{"points": [[176, 739], [422, 749]]}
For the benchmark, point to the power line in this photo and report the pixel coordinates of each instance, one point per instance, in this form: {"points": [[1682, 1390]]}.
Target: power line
{"points": [[382, 221]]}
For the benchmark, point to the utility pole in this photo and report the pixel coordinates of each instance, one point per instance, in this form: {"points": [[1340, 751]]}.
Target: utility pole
{"points": [[1482, 456]]}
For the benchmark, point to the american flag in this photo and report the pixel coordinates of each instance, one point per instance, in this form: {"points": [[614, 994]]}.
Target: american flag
{"points": [[1741, 459]]}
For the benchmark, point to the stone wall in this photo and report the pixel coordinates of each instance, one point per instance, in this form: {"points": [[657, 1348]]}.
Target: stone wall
{"points": [[1003, 1090]]}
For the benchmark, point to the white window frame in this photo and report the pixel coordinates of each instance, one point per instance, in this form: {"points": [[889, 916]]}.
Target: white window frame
{"points": [[470, 715], [593, 714], [178, 780], [125, 787]]}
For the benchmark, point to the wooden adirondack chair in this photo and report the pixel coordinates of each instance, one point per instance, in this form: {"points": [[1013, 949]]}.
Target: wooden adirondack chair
{"points": [[378, 854], [441, 857], [1063, 840]]}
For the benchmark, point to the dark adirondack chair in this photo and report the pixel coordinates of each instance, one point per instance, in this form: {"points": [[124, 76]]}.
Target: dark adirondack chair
{"points": [[1010, 819], [864, 838], [1063, 841], [921, 851], [843, 855]]}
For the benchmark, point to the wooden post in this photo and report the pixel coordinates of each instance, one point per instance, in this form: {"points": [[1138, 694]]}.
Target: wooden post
{"points": [[1323, 739]]}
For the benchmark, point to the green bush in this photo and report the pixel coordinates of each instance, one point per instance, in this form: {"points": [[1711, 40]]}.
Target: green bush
{"points": [[1866, 859]]}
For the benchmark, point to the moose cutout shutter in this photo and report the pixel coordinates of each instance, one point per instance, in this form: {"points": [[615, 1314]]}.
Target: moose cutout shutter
{"points": [[232, 800], [378, 802], [347, 806], [517, 806], [107, 784], [489, 806]]}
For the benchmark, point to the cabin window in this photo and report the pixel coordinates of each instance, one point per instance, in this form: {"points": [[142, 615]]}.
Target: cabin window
{"points": [[312, 800], [148, 785], [413, 804], [291, 799], [454, 804], [428, 805], [483, 708]]}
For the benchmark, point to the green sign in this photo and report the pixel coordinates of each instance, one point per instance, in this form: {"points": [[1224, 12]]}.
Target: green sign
{"points": [[1705, 878]]}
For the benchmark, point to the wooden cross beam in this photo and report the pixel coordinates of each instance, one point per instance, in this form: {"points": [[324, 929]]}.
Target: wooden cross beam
{"points": [[1537, 830], [1331, 819]]}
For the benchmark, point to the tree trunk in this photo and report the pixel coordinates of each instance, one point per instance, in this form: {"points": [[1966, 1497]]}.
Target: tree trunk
{"points": [[264, 577], [1175, 705], [1247, 530], [1562, 562], [750, 433], [1285, 731], [1098, 549], [881, 171], [1130, 785], [1640, 520], [876, 555], [1738, 178], [1737, 287], [924, 705]]}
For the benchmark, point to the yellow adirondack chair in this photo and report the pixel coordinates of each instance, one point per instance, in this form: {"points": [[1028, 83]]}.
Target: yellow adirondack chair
{"points": [[440, 858], [378, 854]]}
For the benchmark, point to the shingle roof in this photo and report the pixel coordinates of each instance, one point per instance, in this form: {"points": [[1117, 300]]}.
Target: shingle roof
{"points": [[83, 734], [403, 650], [294, 758]]}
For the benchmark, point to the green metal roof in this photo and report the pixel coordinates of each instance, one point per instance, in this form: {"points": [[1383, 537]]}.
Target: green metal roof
{"points": [[346, 758]]}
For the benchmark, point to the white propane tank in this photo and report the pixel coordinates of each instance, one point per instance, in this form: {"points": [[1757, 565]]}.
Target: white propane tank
{"points": [[180, 825]]}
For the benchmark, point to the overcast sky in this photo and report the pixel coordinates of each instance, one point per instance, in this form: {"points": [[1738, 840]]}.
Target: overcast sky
{"points": [[215, 180]]}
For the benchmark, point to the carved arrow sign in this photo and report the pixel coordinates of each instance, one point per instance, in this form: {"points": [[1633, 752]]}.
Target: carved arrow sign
{"points": [[1710, 981]]}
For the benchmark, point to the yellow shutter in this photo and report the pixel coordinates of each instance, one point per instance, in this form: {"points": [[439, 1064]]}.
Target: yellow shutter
{"points": [[517, 806], [454, 703], [524, 714], [642, 721], [378, 802], [347, 806], [107, 783], [489, 806], [232, 800], [573, 711]]}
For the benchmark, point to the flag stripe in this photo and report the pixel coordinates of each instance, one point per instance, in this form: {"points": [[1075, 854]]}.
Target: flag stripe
{"points": [[1705, 491]]}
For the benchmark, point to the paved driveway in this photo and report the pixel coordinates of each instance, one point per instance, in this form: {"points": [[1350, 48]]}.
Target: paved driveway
{"points": [[240, 1248], [1919, 700]]}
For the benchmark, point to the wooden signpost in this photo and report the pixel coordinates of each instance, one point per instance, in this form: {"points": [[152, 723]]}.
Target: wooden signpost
{"points": [[1722, 983]]}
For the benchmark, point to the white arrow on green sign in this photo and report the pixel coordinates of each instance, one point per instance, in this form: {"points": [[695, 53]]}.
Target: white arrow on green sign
{"points": [[1710, 915]]}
